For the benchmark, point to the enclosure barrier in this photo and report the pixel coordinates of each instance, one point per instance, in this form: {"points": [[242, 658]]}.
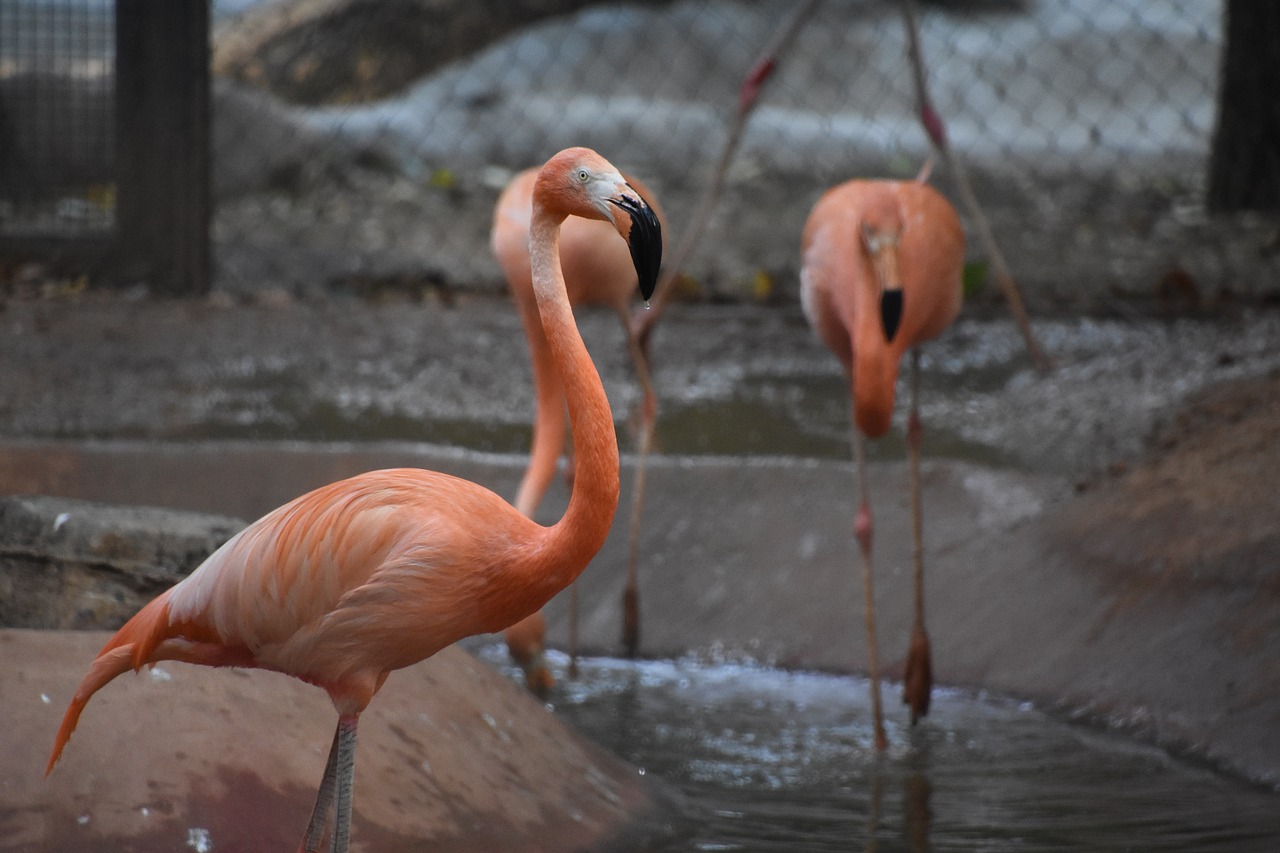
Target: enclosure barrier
{"points": [[355, 146]]}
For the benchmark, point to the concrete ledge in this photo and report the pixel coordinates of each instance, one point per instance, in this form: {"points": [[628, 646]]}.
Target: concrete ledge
{"points": [[77, 564]]}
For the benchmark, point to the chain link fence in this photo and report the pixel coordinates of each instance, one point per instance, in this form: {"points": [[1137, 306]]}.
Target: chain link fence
{"points": [[57, 125], [359, 146]]}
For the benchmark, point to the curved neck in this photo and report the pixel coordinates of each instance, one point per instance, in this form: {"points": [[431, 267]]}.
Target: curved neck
{"points": [[874, 364], [575, 539]]}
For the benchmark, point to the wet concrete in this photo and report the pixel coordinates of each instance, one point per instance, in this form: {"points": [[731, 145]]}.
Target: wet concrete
{"points": [[741, 379]]}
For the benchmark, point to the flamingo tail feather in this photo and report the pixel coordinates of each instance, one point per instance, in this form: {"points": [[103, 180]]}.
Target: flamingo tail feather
{"points": [[130, 648]]}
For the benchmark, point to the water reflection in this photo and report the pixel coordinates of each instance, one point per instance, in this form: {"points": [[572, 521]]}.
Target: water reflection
{"points": [[773, 760], [916, 814]]}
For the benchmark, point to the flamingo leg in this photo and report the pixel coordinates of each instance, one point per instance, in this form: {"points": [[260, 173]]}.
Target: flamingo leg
{"points": [[648, 415], [862, 530], [917, 680], [573, 630], [573, 588], [346, 773], [324, 798]]}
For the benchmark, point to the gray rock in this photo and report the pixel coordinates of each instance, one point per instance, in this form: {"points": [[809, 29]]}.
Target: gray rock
{"points": [[77, 564]]}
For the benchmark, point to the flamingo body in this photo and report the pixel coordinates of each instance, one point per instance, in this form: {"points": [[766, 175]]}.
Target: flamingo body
{"points": [[841, 286], [343, 585], [881, 273], [356, 579]]}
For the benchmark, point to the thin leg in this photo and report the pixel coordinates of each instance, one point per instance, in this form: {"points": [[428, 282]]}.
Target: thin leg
{"points": [[569, 474], [648, 415], [324, 798], [917, 680], [862, 530], [573, 630], [346, 773]]}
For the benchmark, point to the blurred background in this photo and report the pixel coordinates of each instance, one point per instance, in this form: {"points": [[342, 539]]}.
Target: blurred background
{"points": [[317, 177], [358, 145]]}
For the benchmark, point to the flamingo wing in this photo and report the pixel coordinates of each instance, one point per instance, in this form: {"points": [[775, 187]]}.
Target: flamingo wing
{"points": [[337, 587]]}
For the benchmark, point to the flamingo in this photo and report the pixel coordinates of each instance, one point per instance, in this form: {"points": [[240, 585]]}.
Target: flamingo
{"points": [[356, 579], [597, 271], [881, 274]]}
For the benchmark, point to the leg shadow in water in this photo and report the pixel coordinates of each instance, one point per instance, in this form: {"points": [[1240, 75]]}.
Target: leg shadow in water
{"points": [[911, 771], [874, 804], [917, 814]]}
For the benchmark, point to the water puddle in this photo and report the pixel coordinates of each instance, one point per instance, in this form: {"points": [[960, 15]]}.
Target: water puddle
{"points": [[775, 760], [801, 416], [805, 416]]}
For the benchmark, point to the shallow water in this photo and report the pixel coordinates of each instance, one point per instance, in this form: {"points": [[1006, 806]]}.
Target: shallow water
{"points": [[777, 760]]}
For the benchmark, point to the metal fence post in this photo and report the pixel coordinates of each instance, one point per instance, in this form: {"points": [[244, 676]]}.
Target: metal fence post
{"points": [[163, 129]]}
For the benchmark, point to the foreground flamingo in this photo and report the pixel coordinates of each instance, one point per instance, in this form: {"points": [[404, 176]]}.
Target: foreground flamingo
{"points": [[597, 271], [371, 574], [881, 273]]}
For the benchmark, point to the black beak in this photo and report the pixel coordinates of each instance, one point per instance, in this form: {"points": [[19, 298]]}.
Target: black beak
{"points": [[890, 312], [645, 241]]}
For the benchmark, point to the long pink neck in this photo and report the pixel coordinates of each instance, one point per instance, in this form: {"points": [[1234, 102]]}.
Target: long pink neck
{"points": [[575, 539]]}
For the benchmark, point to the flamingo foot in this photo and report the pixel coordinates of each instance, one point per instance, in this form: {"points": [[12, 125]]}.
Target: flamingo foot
{"points": [[631, 622], [917, 679], [539, 679], [525, 644]]}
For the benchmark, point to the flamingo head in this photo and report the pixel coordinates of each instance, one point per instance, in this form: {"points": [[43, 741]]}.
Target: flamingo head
{"points": [[881, 230], [585, 184]]}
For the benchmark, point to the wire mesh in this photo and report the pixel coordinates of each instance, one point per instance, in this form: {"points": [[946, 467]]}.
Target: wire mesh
{"points": [[360, 145], [56, 117]]}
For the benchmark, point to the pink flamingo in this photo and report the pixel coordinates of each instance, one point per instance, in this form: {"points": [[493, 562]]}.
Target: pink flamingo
{"points": [[881, 273], [368, 575], [597, 271]]}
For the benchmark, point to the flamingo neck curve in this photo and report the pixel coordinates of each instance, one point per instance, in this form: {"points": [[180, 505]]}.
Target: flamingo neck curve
{"points": [[572, 541]]}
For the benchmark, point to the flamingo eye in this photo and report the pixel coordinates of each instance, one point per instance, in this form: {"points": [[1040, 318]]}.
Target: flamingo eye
{"points": [[583, 176]]}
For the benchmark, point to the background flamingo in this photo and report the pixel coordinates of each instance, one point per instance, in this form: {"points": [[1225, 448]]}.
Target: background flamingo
{"points": [[597, 271], [881, 273], [371, 574]]}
